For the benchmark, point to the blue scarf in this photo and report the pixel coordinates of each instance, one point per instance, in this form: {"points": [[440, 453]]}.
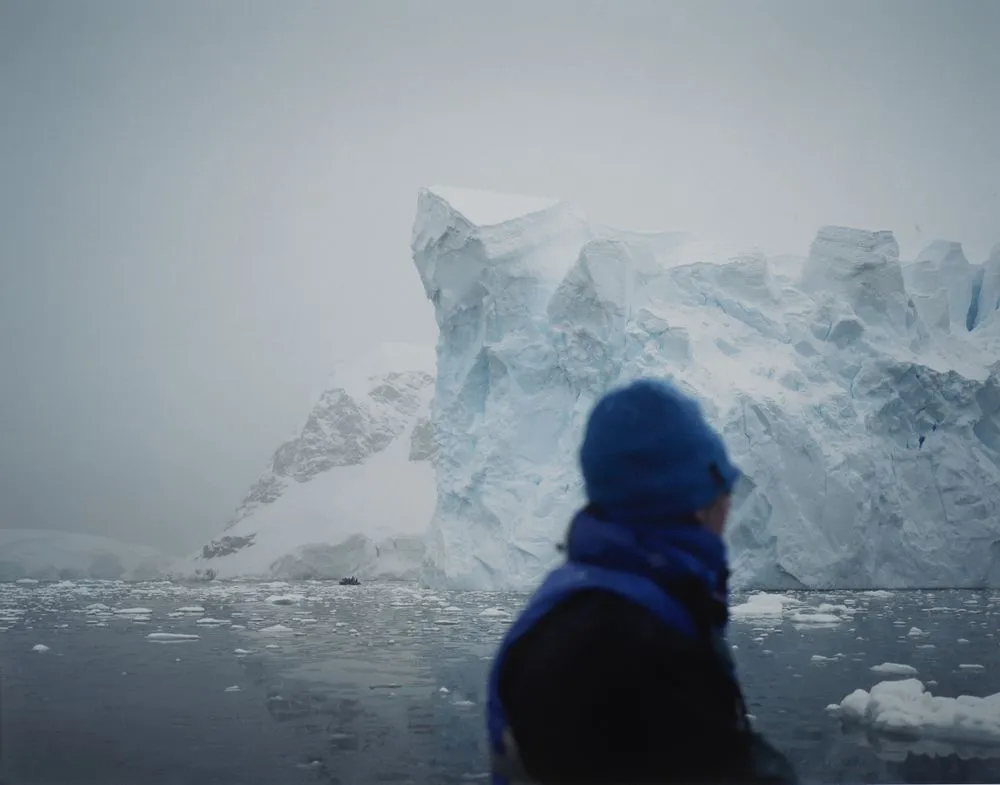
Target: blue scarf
{"points": [[668, 552]]}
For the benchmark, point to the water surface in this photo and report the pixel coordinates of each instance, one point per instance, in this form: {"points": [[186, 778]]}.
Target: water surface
{"points": [[385, 684]]}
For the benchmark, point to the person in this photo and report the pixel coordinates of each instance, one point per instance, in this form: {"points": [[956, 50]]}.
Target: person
{"points": [[617, 670]]}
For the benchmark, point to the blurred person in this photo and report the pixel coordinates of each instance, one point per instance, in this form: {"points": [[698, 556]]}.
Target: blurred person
{"points": [[617, 670]]}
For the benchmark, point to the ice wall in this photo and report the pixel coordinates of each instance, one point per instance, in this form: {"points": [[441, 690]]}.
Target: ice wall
{"points": [[870, 441]]}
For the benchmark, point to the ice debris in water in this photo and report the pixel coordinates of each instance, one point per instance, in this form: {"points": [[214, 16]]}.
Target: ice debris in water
{"points": [[171, 636], [41, 648], [191, 609], [894, 669], [285, 599], [275, 629], [495, 612], [760, 606], [234, 688], [906, 708]]}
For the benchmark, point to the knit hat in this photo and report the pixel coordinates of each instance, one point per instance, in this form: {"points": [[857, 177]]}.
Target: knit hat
{"points": [[649, 455]]}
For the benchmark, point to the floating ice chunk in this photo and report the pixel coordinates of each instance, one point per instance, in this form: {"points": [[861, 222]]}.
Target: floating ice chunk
{"points": [[906, 708], [285, 599], [915, 632], [26, 581], [210, 622], [495, 613], [962, 640], [971, 667], [191, 609], [134, 611], [759, 606], [171, 636], [41, 648], [240, 652], [815, 618], [234, 688], [275, 629], [894, 669], [826, 607]]}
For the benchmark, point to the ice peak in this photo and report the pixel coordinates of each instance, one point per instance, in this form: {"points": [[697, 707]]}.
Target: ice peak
{"points": [[862, 268], [944, 282], [488, 208], [943, 252]]}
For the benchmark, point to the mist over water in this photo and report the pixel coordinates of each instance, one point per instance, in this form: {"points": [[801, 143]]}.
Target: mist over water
{"points": [[204, 208]]}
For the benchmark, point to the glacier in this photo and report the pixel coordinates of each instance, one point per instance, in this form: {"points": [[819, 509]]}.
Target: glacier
{"points": [[352, 493], [858, 393], [54, 554]]}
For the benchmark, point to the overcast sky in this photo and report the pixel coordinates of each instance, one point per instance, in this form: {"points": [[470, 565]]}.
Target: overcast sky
{"points": [[204, 204]]}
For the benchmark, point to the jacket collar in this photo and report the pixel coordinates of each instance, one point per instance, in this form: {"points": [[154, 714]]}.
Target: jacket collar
{"points": [[667, 551]]}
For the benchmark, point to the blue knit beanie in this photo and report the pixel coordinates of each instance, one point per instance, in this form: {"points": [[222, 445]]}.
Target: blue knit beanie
{"points": [[649, 456]]}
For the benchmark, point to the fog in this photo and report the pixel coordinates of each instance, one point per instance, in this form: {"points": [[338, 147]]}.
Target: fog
{"points": [[205, 203]]}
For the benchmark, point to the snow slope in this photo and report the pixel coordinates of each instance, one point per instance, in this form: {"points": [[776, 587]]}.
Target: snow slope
{"points": [[352, 494], [49, 554], [870, 439]]}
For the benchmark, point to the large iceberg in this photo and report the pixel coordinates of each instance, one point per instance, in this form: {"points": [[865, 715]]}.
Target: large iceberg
{"points": [[353, 492], [866, 417]]}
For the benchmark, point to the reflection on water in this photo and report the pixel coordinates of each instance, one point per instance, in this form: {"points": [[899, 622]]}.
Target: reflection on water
{"points": [[385, 684]]}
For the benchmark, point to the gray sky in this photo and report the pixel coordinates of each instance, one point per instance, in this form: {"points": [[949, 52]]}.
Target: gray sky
{"points": [[204, 204]]}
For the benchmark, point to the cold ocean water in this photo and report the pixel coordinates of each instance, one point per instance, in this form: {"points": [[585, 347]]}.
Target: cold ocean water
{"points": [[313, 682]]}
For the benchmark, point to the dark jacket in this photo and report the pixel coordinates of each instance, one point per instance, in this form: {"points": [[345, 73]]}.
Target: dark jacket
{"points": [[601, 689]]}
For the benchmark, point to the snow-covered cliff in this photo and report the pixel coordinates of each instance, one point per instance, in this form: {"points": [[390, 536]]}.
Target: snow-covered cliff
{"points": [[353, 493], [866, 417]]}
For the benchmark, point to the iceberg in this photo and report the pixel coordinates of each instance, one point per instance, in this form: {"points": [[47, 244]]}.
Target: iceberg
{"points": [[869, 438], [906, 709], [352, 493]]}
